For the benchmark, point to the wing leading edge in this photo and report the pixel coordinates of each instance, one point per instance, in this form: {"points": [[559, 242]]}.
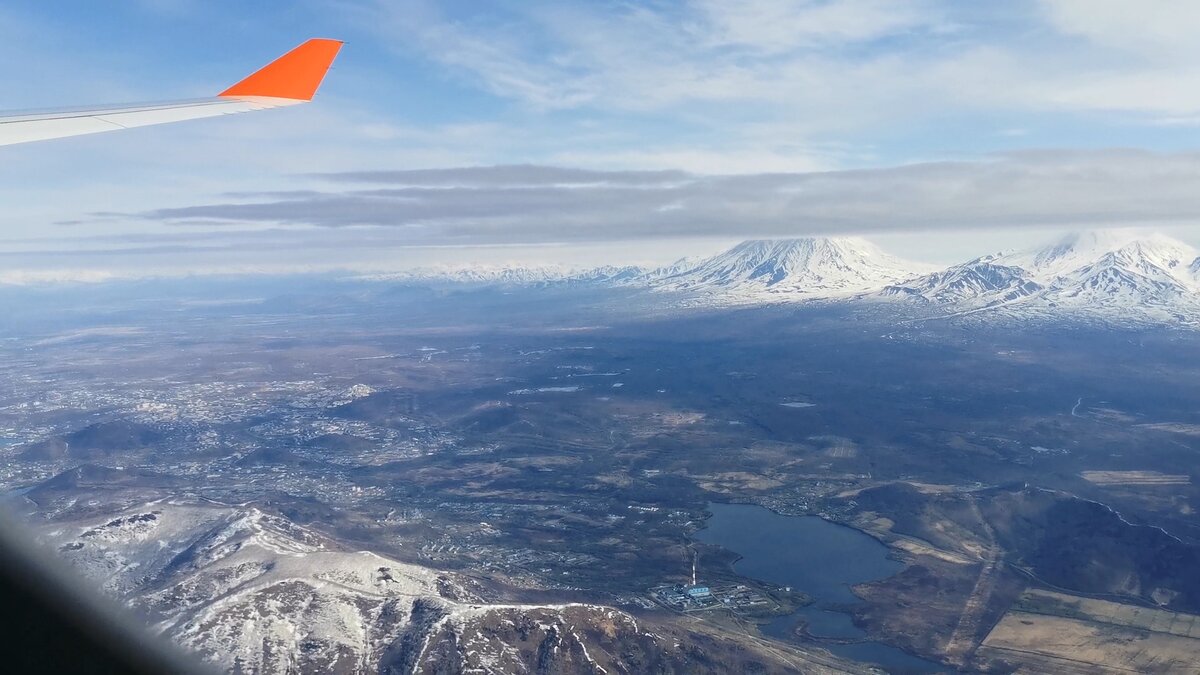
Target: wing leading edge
{"points": [[289, 80]]}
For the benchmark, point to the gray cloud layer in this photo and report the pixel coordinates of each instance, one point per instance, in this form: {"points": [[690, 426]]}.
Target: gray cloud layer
{"points": [[532, 204]]}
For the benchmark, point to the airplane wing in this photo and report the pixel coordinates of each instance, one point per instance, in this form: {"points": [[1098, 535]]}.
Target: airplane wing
{"points": [[289, 80]]}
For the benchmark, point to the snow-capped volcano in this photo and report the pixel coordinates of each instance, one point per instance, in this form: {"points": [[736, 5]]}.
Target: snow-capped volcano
{"points": [[1118, 270], [1107, 275], [809, 267], [1111, 276], [1152, 255], [1116, 276]]}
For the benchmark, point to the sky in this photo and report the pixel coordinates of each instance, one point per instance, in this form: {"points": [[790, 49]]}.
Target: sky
{"points": [[529, 131]]}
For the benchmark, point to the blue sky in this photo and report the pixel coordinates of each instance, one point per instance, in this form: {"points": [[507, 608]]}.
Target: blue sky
{"points": [[1051, 114]]}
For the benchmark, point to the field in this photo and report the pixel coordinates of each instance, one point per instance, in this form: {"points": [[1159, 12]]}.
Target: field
{"points": [[1134, 478], [1047, 630]]}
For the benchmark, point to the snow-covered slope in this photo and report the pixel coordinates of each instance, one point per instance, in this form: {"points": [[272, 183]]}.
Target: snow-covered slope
{"points": [[591, 639], [610, 274], [678, 267], [1118, 275], [1109, 275], [516, 275], [248, 590], [978, 283], [253, 592], [481, 274], [1106, 276], [791, 268], [1119, 279], [765, 270], [1081, 249]]}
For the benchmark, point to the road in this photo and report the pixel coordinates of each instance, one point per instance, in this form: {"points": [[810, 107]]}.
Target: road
{"points": [[962, 643]]}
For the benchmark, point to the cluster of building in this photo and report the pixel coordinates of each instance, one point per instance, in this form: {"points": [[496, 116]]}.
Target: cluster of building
{"points": [[698, 597]]}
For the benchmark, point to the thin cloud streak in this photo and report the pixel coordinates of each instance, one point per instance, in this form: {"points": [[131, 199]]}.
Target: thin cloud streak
{"points": [[530, 204], [839, 65]]}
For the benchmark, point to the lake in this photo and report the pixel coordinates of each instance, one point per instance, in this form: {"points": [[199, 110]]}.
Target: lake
{"points": [[823, 560]]}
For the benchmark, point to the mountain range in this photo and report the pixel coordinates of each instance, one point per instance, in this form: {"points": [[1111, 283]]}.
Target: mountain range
{"points": [[253, 592], [1107, 276]]}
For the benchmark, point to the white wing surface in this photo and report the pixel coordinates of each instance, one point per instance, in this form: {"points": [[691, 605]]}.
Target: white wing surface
{"points": [[289, 80]]}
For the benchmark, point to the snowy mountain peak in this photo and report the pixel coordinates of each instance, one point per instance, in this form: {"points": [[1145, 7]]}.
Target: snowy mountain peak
{"points": [[1130, 247], [1107, 275], [772, 256], [978, 283], [1110, 275], [814, 267], [253, 592]]}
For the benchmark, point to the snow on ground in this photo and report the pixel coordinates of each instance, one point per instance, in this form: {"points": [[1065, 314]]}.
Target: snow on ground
{"points": [[252, 591]]}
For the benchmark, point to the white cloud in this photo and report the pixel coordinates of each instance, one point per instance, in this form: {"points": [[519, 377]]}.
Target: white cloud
{"points": [[743, 160], [711, 87], [1158, 30], [838, 64], [778, 26], [523, 204], [635, 57], [388, 220]]}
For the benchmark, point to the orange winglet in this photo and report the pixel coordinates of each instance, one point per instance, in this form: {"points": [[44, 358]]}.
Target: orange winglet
{"points": [[295, 75]]}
